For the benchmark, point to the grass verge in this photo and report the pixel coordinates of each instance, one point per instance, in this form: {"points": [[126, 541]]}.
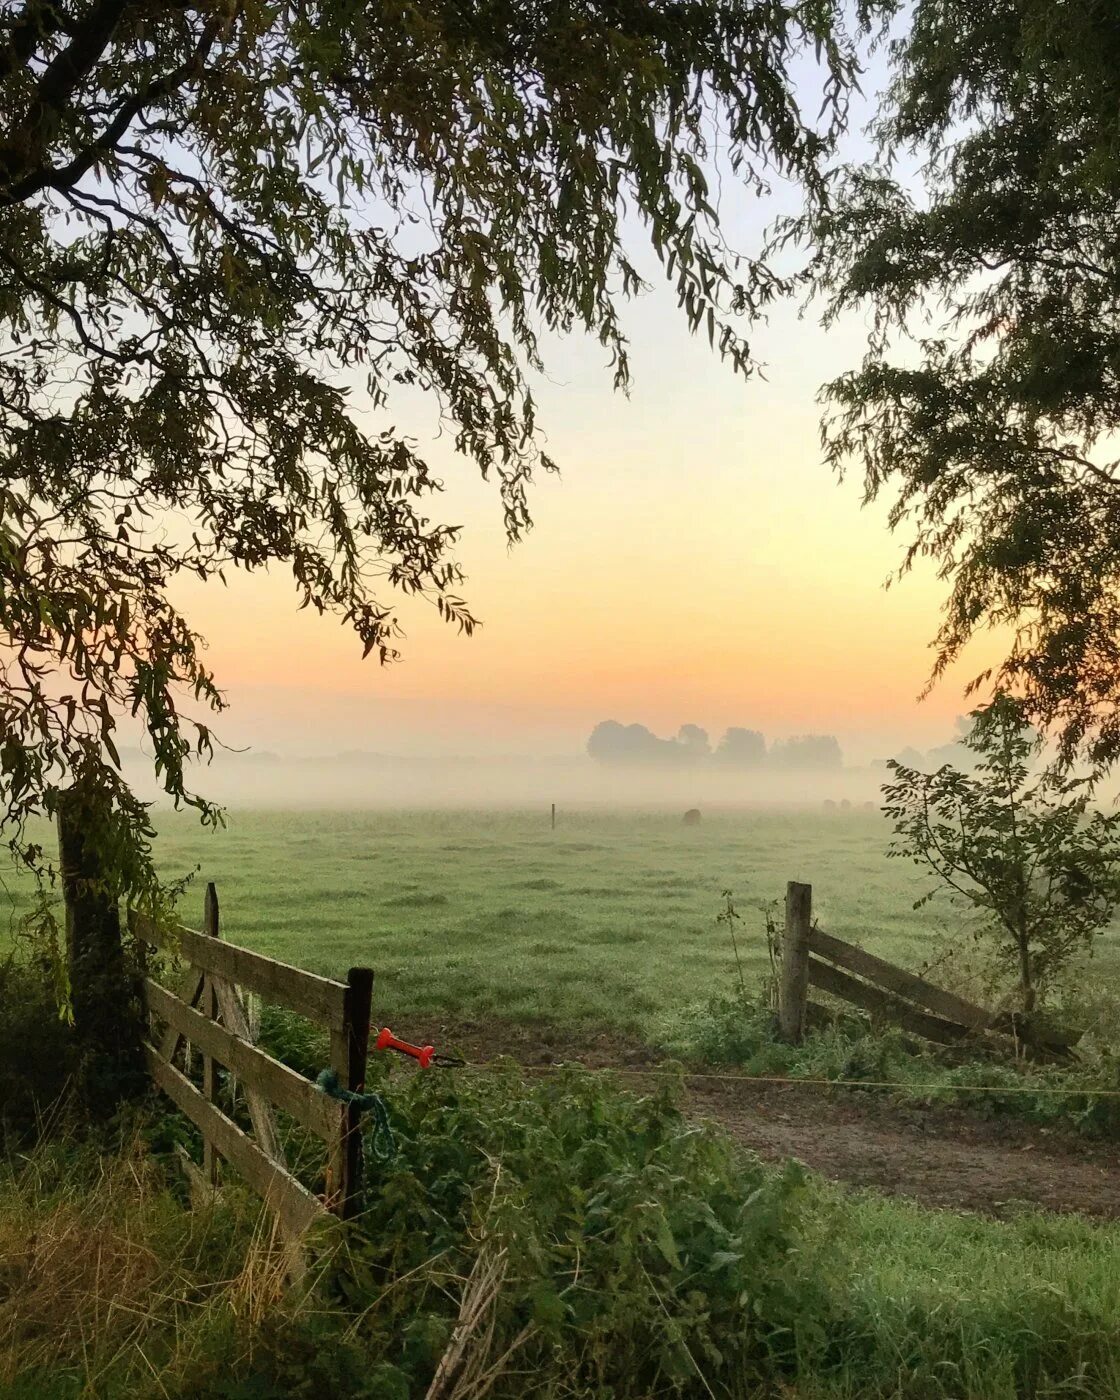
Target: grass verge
{"points": [[555, 1237], [738, 1029]]}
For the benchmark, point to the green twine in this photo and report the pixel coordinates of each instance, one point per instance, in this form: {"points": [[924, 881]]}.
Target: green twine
{"points": [[377, 1145]]}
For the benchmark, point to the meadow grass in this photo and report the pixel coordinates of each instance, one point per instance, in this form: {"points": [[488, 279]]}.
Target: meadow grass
{"points": [[609, 919], [996, 1310]]}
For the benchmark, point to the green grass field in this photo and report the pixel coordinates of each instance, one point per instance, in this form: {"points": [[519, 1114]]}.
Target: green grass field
{"points": [[608, 920]]}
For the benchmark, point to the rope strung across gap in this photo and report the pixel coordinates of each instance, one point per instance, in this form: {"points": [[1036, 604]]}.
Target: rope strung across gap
{"points": [[378, 1144], [1040, 1089]]}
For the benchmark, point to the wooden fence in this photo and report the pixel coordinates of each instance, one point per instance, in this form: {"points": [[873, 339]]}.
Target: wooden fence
{"points": [[813, 958], [206, 1011]]}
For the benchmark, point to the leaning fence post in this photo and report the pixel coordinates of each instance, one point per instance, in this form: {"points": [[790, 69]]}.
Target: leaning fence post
{"points": [[794, 990]]}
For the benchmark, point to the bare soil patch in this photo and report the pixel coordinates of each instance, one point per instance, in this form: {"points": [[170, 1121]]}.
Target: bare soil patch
{"points": [[939, 1156]]}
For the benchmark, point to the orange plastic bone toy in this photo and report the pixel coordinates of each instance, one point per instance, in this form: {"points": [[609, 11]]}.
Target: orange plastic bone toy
{"points": [[386, 1040]]}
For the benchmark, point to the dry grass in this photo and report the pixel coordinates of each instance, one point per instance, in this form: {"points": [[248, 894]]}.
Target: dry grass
{"points": [[103, 1272], [469, 1369]]}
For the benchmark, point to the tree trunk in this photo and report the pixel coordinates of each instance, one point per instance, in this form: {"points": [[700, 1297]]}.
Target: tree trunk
{"points": [[104, 991], [1026, 980]]}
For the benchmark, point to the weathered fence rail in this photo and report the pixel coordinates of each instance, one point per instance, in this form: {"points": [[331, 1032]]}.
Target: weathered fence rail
{"points": [[813, 958], [205, 1011]]}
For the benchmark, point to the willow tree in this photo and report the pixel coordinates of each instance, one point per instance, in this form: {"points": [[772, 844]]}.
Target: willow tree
{"points": [[987, 404], [233, 234]]}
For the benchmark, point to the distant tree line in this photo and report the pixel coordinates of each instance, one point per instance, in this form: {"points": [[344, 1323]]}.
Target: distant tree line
{"points": [[956, 752], [617, 744]]}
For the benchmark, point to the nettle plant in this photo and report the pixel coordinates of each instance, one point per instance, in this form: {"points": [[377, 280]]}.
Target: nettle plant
{"points": [[1024, 848]]}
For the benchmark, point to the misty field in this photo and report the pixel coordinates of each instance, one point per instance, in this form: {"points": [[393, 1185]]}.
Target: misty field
{"points": [[608, 920]]}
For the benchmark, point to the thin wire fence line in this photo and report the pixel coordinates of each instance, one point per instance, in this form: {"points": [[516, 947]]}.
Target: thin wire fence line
{"points": [[806, 1082]]}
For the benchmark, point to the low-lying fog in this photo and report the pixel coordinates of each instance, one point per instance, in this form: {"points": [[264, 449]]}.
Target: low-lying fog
{"points": [[374, 780]]}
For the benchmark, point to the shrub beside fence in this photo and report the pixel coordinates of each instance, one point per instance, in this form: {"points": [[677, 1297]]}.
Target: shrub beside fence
{"points": [[813, 958]]}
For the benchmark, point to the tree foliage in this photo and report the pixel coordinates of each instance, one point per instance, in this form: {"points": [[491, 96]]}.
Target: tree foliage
{"points": [[236, 237], [985, 408], [614, 743], [1024, 850], [741, 748], [633, 744]]}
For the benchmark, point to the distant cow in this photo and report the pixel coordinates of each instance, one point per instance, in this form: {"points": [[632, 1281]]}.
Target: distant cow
{"points": [[692, 817]]}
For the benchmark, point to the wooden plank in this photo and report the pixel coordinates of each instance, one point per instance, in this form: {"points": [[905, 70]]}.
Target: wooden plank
{"points": [[320, 999], [209, 1078], [359, 980], [201, 1189], [297, 1208], [794, 985], [903, 984], [190, 991], [285, 1087], [210, 1012], [336, 1157], [260, 1111], [224, 997], [937, 999], [873, 999]]}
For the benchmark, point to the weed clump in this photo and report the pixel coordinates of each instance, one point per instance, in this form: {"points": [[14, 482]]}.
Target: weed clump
{"points": [[739, 1029], [38, 1057]]}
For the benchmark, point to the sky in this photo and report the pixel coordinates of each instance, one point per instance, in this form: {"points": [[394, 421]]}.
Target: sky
{"points": [[694, 563]]}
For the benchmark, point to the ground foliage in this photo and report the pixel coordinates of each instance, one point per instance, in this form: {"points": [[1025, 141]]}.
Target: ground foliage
{"points": [[238, 238], [849, 1049], [37, 1054], [609, 1247], [984, 408]]}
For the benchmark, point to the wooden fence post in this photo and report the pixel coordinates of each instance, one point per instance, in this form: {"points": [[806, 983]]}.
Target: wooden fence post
{"points": [[211, 926], [794, 990], [349, 1052]]}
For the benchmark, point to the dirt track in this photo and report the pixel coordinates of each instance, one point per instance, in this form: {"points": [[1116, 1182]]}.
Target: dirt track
{"points": [[942, 1157]]}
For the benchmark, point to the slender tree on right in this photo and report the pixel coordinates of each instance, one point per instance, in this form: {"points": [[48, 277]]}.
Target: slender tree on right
{"points": [[1022, 848]]}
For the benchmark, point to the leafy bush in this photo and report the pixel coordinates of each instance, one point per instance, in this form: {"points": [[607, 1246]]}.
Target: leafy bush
{"points": [[640, 1250], [37, 1055]]}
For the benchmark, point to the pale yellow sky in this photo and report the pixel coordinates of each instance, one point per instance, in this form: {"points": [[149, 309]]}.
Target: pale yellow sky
{"points": [[696, 563]]}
